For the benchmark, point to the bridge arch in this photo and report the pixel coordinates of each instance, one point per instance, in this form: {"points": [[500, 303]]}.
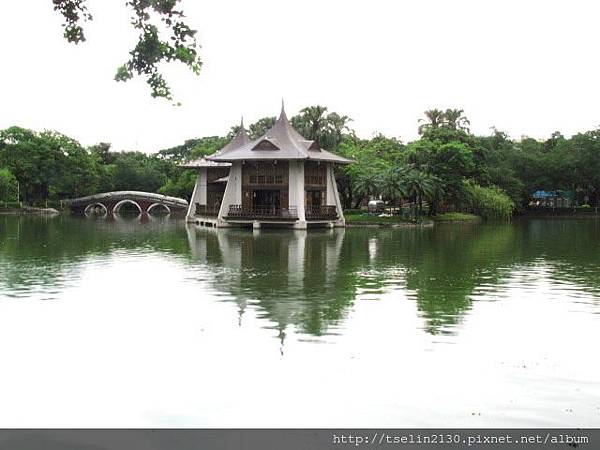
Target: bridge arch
{"points": [[117, 207], [92, 206], [113, 201], [159, 205]]}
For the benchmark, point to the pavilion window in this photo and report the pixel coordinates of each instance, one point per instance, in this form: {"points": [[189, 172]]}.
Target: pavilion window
{"points": [[265, 173], [314, 174]]}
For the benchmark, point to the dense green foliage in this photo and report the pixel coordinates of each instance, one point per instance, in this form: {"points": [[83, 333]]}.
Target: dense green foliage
{"points": [[51, 166], [8, 186], [450, 168], [446, 169], [488, 202], [176, 42], [47, 164]]}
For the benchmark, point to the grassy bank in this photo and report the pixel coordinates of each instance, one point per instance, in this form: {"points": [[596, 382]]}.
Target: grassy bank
{"points": [[361, 218], [456, 217]]}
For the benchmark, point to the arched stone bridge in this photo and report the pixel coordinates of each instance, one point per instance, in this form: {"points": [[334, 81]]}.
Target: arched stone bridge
{"points": [[111, 202]]}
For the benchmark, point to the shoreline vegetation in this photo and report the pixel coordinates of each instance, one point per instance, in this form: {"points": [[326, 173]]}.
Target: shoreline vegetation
{"points": [[355, 218], [28, 210], [363, 219], [448, 168], [456, 217]]}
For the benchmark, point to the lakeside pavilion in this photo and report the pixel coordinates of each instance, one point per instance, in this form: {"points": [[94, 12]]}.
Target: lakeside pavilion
{"points": [[280, 179]]}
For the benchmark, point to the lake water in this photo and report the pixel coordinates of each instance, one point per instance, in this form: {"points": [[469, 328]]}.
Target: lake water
{"points": [[152, 323]]}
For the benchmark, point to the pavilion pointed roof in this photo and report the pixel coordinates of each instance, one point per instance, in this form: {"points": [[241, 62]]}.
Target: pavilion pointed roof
{"points": [[240, 139], [281, 142]]}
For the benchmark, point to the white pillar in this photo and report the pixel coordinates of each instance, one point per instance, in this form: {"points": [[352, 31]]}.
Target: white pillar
{"points": [[197, 245], [296, 192], [296, 259], [333, 196], [199, 194], [230, 253], [330, 200], [233, 191]]}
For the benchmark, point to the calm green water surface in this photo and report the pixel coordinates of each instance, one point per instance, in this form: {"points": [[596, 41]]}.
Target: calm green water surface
{"points": [[133, 322]]}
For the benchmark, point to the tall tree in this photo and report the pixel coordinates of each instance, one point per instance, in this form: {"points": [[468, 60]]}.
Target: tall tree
{"points": [[456, 120], [8, 186], [418, 186], [314, 123], [338, 126], [450, 163], [311, 122], [434, 118], [46, 163], [586, 152]]}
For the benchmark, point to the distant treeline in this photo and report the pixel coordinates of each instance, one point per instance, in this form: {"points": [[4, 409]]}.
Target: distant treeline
{"points": [[447, 166]]}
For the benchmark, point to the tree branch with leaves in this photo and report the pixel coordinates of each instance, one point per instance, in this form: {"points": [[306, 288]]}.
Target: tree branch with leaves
{"points": [[176, 42]]}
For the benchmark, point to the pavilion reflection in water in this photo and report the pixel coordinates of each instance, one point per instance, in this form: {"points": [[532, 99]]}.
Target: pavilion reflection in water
{"points": [[312, 280], [291, 277]]}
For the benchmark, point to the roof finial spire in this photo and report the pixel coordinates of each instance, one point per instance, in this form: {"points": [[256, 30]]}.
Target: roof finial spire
{"points": [[282, 113], [242, 123]]}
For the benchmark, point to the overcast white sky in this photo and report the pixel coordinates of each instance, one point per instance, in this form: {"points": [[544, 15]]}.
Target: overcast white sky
{"points": [[526, 67]]}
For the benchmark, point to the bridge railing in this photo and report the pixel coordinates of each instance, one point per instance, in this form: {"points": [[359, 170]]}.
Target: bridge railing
{"points": [[128, 195]]}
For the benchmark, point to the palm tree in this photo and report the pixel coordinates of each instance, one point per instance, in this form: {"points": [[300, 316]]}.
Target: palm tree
{"points": [[455, 119], [391, 184], [326, 129], [337, 126], [436, 195], [434, 119], [419, 185], [311, 122], [366, 185]]}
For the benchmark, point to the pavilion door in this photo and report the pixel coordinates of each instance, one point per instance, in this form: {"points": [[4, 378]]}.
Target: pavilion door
{"points": [[266, 198]]}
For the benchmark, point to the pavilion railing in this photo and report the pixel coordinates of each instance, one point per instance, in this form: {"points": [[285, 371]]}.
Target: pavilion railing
{"points": [[262, 212], [328, 212], [206, 210]]}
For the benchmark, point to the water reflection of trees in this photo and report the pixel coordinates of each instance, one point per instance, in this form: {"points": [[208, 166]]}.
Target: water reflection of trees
{"points": [[311, 279], [44, 250]]}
